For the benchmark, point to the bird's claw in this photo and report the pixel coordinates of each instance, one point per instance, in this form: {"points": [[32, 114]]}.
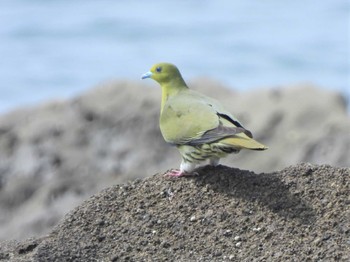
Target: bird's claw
{"points": [[175, 173], [179, 173]]}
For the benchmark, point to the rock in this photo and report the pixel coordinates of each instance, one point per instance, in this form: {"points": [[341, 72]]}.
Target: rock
{"points": [[296, 224]]}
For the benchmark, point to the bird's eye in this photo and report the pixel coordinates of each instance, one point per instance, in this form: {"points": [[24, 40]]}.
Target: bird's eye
{"points": [[159, 69]]}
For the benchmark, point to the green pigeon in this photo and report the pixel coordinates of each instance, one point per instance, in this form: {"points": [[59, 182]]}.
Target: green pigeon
{"points": [[197, 125]]}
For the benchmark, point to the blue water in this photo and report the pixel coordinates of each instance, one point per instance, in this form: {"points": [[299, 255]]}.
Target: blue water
{"points": [[56, 49]]}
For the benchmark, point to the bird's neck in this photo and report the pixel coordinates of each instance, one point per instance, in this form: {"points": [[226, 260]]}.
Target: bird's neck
{"points": [[172, 88]]}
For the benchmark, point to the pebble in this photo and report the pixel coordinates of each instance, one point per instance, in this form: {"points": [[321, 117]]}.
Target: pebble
{"points": [[228, 233], [256, 229]]}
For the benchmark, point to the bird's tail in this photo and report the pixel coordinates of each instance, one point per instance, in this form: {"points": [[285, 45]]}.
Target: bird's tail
{"points": [[241, 140]]}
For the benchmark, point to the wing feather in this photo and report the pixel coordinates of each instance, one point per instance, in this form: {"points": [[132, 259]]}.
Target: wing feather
{"points": [[192, 118]]}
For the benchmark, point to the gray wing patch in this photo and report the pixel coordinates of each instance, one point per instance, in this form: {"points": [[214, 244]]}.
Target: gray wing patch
{"points": [[218, 133]]}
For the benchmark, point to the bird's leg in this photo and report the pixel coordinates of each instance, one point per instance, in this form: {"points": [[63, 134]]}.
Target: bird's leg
{"points": [[214, 161], [185, 169], [175, 173]]}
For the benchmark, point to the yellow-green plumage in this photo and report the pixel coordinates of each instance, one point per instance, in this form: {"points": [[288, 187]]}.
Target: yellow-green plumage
{"points": [[198, 125]]}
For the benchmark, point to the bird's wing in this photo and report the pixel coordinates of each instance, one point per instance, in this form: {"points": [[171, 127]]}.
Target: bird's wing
{"points": [[192, 118]]}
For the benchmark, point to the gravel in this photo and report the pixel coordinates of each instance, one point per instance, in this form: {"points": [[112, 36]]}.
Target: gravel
{"points": [[300, 213]]}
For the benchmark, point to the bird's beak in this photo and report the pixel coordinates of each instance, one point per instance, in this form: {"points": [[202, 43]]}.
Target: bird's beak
{"points": [[147, 75]]}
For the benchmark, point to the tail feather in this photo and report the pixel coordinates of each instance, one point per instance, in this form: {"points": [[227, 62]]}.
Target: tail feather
{"points": [[243, 141]]}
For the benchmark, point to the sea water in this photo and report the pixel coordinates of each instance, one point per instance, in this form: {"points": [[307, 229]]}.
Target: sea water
{"points": [[58, 48]]}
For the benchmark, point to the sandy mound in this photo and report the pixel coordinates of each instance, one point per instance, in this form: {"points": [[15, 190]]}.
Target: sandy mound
{"points": [[54, 156], [224, 214]]}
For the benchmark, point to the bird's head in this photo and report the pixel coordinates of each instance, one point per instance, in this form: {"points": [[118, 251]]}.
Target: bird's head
{"points": [[164, 73]]}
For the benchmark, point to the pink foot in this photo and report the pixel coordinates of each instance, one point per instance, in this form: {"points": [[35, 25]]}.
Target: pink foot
{"points": [[175, 173]]}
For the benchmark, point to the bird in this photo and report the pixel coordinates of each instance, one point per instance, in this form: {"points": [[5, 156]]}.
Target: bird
{"points": [[199, 126]]}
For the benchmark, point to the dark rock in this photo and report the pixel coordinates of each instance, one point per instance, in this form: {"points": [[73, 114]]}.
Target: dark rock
{"points": [[264, 213]]}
